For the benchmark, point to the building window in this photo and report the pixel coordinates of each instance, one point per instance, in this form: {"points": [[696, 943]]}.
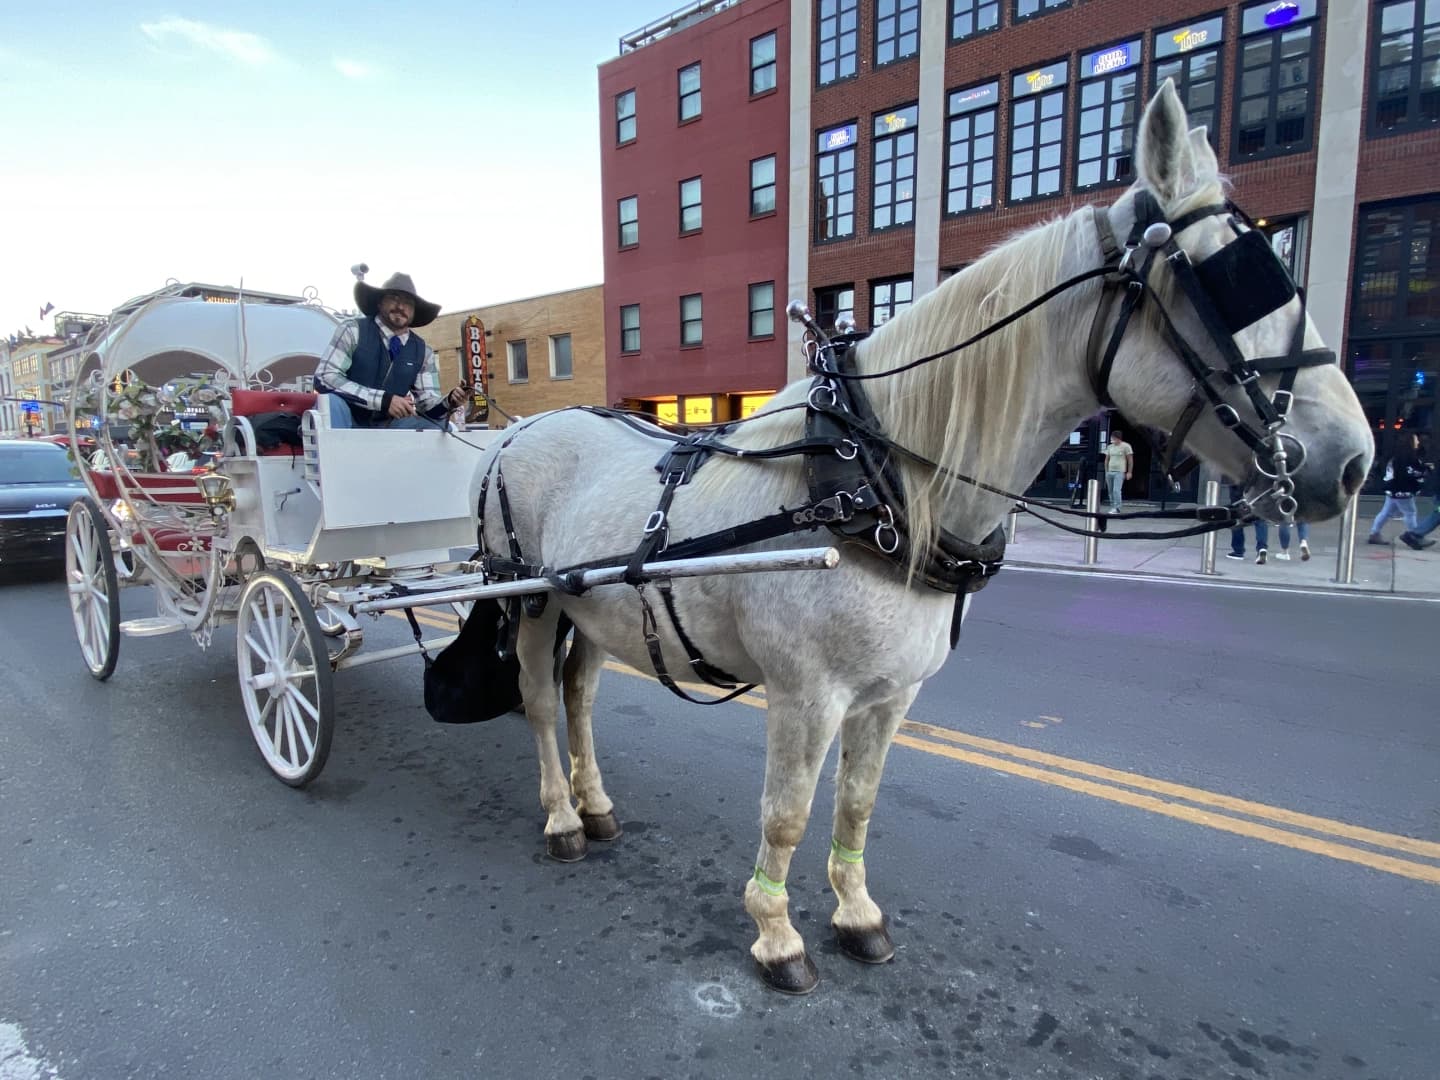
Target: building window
{"points": [[838, 40], [888, 297], [630, 328], [517, 361], [762, 309], [690, 217], [835, 183], [625, 116], [1027, 9], [1406, 91], [1189, 55], [971, 17], [897, 30], [1288, 239], [689, 92], [762, 186], [894, 183], [629, 221], [1037, 131], [970, 148], [1105, 126], [762, 63], [1396, 283], [561, 365], [1272, 96], [833, 304], [691, 330]]}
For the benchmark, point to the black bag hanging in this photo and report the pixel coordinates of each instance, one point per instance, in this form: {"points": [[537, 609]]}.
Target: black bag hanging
{"points": [[469, 681], [274, 429]]}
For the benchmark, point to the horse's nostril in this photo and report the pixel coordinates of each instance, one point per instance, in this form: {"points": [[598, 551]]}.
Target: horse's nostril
{"points": [[1354, 474]]}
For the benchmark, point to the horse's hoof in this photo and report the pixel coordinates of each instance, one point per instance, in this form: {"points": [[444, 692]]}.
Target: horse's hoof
{"points": [[794, 976], [601, 827], [566, 846], [867, 946]]}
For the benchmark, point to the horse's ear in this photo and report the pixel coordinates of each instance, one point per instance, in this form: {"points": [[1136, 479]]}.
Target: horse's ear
{"points": [[1207, 166], [1167, 162]]}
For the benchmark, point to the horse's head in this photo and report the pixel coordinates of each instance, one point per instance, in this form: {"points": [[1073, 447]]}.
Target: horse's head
{"points": [[1221, 352]]}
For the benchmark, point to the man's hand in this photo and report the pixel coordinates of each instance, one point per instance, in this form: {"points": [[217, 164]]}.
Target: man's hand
{"points": [[401, 407], [456, 398]]}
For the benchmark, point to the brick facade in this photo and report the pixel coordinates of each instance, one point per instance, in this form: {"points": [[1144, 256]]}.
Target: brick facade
{"points": [[577, 312]]}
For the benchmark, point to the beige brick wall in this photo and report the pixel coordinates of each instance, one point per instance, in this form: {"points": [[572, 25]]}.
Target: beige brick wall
{"points": [[577, 312]]}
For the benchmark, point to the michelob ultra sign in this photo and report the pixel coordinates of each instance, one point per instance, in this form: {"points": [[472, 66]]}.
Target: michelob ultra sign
{"points": [[476, 359]]}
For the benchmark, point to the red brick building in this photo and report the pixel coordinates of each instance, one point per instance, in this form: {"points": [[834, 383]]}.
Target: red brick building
{"points": [[921, 132], [694, 138]]}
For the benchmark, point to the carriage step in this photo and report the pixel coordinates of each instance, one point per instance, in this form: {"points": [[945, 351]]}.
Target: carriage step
{"points": [[153, 627]]}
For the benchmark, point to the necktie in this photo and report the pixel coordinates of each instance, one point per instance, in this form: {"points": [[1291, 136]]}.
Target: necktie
{"points": [[395, 347]]}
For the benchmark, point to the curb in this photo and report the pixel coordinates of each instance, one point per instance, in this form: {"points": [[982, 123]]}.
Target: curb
{"points": [[1331, 588]]}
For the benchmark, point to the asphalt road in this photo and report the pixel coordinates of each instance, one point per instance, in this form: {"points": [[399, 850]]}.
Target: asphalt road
{"points": [[1137, 830]]}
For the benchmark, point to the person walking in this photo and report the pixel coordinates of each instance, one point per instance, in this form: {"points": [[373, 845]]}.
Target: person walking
{"points": [[1302, 532], [1119, 464], [1403, 474], [1415, 538], [1262, 534]]}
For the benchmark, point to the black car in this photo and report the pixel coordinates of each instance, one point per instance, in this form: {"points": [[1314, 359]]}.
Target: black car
{"points": [[37, 487]]}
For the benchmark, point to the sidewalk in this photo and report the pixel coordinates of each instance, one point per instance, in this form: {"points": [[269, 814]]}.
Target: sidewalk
{"points": [[1390, 569]]}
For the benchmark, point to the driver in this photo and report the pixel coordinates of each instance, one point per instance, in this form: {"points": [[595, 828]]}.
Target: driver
{"points": [[378, 373]]}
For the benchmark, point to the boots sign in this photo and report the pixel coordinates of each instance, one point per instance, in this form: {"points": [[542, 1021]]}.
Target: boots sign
{"points": [[477, 375]]}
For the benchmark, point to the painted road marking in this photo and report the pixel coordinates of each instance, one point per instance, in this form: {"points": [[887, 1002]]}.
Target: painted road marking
{"points": [[1359, 592], [1181, 802]]}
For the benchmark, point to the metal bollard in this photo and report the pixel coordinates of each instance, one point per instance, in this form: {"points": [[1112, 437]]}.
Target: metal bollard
{"points": [[1012, 525], [1345, 549], [1207, 546], [1092, 507]]}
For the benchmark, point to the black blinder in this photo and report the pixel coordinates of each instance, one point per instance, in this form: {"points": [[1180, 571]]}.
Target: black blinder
{"points": [[1245, 281]]}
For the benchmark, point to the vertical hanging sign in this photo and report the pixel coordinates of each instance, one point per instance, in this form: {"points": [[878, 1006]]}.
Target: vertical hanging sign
{"points": [[477, 374]]}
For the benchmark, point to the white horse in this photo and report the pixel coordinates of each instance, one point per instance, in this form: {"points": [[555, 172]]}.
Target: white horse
{"points": [[845, 651]]}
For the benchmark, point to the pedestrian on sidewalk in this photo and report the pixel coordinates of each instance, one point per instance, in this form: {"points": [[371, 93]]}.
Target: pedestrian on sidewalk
{"points": [[1403, 475], [1302, 531], [1415, 538], [1119, 464], [1262, 533]]}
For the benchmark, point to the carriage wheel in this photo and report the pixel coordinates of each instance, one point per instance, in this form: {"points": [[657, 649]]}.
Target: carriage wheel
{"points": [[285, 677], [94, 589]]}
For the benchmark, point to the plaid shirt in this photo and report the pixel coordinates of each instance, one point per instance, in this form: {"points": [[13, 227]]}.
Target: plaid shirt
{"points": [[335, 367]]}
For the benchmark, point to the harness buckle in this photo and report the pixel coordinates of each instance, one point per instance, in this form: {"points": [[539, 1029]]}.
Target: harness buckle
{"points": [[655, 522], [1227, 415], [1128, 257], [814, 398], [852, 446], [1282, 400]]}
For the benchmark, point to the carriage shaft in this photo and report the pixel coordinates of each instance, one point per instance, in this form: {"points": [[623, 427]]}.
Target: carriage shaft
{"points": [[826, 558]]}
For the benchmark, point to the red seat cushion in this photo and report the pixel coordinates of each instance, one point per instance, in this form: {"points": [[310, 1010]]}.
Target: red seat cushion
{"points": [[171, 539], [255, 402], [175, 488]]}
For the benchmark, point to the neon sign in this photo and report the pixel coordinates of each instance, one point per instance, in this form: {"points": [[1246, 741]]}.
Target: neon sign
{"points": [[1282, 13], [1188, 39], [837, 138], [1040, 80], [1110, 60]]}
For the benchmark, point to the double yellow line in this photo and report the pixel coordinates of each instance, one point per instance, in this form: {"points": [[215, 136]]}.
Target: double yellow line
{"points": [[1389, 852]]}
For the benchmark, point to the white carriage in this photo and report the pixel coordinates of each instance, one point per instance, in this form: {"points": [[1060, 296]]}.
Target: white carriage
{"points": [[291, 544]]}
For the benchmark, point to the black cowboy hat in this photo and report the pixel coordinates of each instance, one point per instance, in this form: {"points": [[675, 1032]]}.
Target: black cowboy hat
{"points": [[367, 298]]}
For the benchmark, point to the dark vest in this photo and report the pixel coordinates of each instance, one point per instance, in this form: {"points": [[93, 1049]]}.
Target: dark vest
{"points": [[370, 365]]}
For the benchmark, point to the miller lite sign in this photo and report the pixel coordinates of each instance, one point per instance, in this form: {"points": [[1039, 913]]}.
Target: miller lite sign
{"points": [[477, 373]]}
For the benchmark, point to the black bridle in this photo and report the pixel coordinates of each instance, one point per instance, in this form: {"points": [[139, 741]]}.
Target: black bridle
{"points": [[1234, 288]]}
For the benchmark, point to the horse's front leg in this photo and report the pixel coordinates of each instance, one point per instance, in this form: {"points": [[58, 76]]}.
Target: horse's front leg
{"points": [[582, 678], [865, 738], [564, 837], [798, 734]]}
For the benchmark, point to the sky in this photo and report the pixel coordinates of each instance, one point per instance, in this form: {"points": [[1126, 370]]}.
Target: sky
{"points": [[280, 143]]}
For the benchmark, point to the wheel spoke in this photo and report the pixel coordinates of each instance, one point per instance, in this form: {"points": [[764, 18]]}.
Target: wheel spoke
{"points": [[290, 725], [303, 700], [300, 726], [257, 617], [256, 648]]}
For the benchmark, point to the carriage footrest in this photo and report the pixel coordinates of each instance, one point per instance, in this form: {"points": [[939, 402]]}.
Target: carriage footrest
{"points": [[152, 627]]}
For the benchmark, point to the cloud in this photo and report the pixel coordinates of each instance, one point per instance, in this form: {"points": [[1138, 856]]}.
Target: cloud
{"points": [[353, 69], [243, 47]]}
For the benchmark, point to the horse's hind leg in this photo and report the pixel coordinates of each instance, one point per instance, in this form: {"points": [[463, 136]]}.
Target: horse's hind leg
{"points": [[564, 837], [798, 734], [582, 677], [865, 738]]}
